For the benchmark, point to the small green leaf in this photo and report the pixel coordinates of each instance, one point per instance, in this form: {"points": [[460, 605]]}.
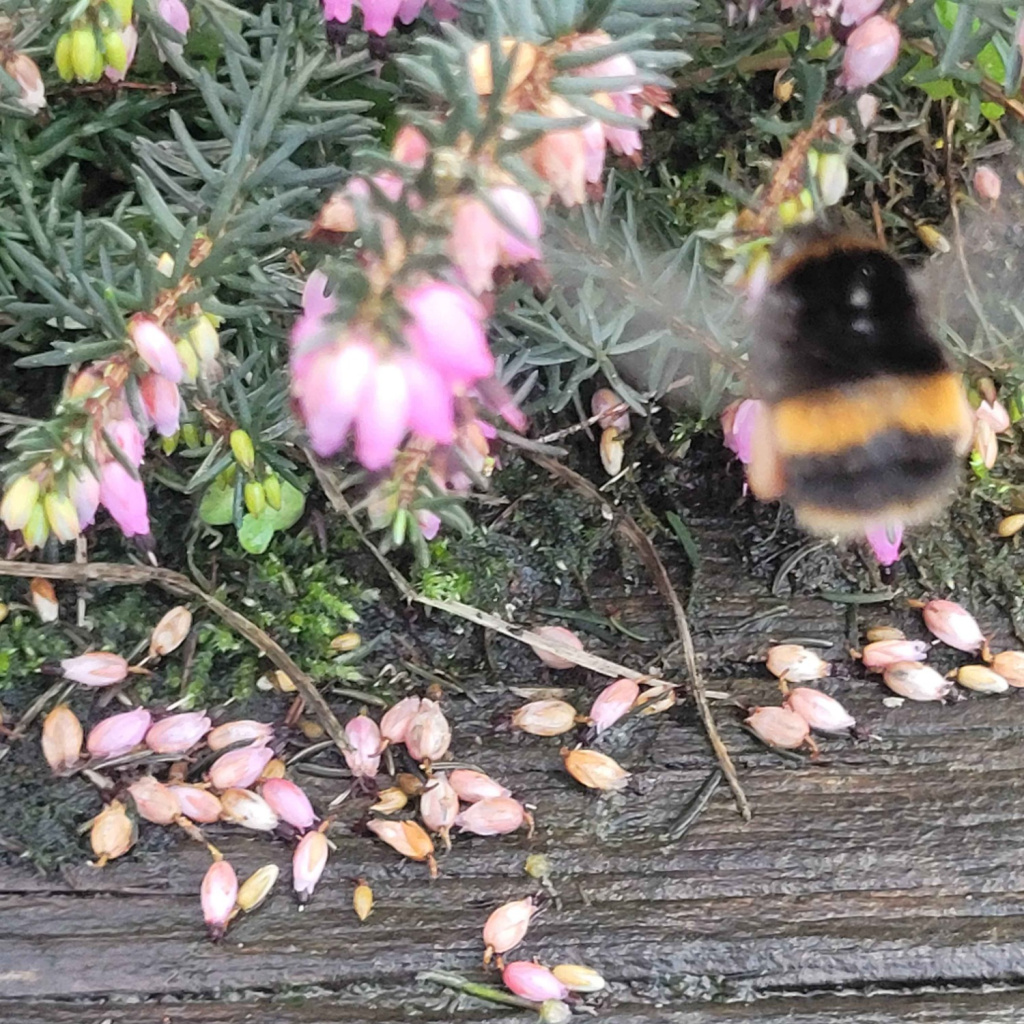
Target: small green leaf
{"points": [[217, 506], [255, 535]]}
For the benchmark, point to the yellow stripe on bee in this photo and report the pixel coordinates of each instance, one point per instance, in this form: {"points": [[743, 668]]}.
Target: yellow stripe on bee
{"points": [[835, 419]]}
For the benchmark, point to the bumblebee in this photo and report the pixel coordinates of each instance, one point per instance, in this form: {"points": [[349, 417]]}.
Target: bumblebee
{"points": [[864, 420]]}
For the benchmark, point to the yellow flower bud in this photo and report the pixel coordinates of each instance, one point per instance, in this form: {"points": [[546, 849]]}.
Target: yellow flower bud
{"points": [[36, 530], [62, 516], [832, 177], [204, 337], [272, 490], [98, 64], [165, 265], [362, 901], [255, 499], [19, 502], [169, 445], [241, 446], [114, 51], [123, 10], [62, 58], [83, 52], [190, 435]]}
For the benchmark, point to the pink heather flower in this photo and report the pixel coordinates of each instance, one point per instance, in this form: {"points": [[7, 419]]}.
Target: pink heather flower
{"points": [[130, 37], [175, 13], [472, 786], [317, 305], [338, 10], [521, 212], [494, 816], [820, 711], [155, 347], [97, 668], [289, 803], [24, 70], [594, 145], [395, 723], [885, 540], [245, 730], [431, 409], [239, 769], [446, 331], [853, 12], [474, 244], [329, 386], [560, 157], [532, 981], [118, 734], [308, 863], [995, 415], [162, 403], [428, 522], [382, 420], [218, 895], [439, 804], [871, 51], [408, 10], [125, 433], [197, 804], [614, 701], [625, 141], [882, 653], [178, 733], [364, 735], [124, 498], [953, 625], [379, 15], [154, 801], [410, 146], [739, 421], [84, 492], [507, 926]]}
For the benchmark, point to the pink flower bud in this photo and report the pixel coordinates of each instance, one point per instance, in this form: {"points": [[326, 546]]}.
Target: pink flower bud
{"points": [[124, 497], [987, 183], [245, 730], [217, 896], [507, 926], [995, 415], [472, 786], [439, 804], [871, 51], [395, 723], [796, 664], [853, 12], [155, 347], [364, 758], [602, 404], [429, 735], [118, 734], [885, 540], [883, 653], [84, 492], [308, 863], [614, 701], [914, 681], [494, 817], [154, 801], [238, 769], [178, 733], [289, 803], [410, 146], [545, 717], [162, 403], [739, 423], [248, 810], [820, 711], [532, 981], [407, 838], [98, 668], [779, 727], [197, 804], [953, 625], [560, 635]]}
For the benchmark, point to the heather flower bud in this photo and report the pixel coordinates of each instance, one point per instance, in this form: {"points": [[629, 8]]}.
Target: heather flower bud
{"points": [[871, 51], [554, 1011], [205, 340], [289, 803], [577, 978], [832, 177], [407, 838], [603, 405], [154, 801], [494, 817], [123, 10], [19, 501], [247, 809], [238, 769], [178, 733], [61, 516], [44, 601], [981, 679], [218, 896], [1010, 525], [795, 664], [155, 347], [916, 682], [62, 58], [953, 625], [62, 738], [83, 53], [170, 632], [820, 711], [614, 701], [428, 735], [390, 800], [257, 887], [112, 833], [595, 770], [876, 634], [1010, 665], [987, 184], [362, 901], [114, 51], [395, 723], [560, 635], [779, 727], [471, 786], [363, 759], [118, 734], [255, 498], [36, 530], [242, 449], [197, 804], [242, 731], [507, 926], [881, 654], [439, 806], [308, 863], [532, 981], [272, 490], [545, 717]]}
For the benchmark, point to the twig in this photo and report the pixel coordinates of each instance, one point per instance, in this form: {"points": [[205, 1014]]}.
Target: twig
{"points": [[473, 988], [628, 527], [694, 807], [181, 586]]}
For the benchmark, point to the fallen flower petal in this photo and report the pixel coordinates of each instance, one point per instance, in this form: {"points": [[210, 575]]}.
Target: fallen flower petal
{"points": [[507, 926], [916, 682], [98, 668], [238, 769], [249, 810], [177, 734], [118, 734], [820, 711], [62, 738], [779, 727], [494, 817], [953, 625], [112, 833], [197, 804], [545, 717], [472, 786], [154, 801], [243, 731], [595, 770], [218, 895], [289, 803], [308, 863], [614, 701], [532, 981]]}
